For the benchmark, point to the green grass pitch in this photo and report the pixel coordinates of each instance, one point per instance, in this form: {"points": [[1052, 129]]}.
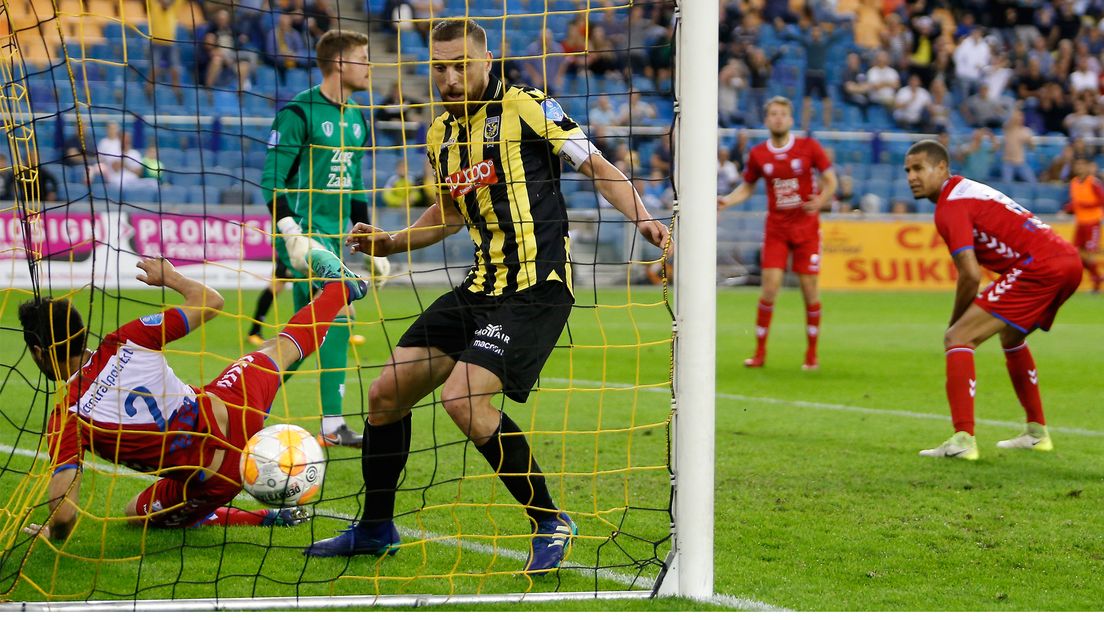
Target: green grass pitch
{"points": [[821, 501]]}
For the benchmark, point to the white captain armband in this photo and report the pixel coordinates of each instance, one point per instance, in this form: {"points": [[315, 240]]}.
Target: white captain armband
{"points": [[575, 151]]}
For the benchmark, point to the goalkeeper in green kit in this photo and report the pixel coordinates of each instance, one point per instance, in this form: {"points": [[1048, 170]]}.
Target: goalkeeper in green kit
{"points": [[312, 182]]}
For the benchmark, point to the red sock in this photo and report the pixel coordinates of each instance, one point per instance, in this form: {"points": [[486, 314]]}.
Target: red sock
{"points": [[762, 327], [1025, 379], [961, 385], [1094, 270], [227, 515], [308, 327], [812, 331]]}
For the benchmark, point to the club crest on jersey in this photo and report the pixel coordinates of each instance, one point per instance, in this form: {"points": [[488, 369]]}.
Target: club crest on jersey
{"points": [[273, 138], [490, 131], [552, 110], [356, 130], [327, 128], [152, 320], [768, 169], [795, 165], [463, 182]]}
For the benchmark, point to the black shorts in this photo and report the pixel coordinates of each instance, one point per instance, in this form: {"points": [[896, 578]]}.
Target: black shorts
{"points": [[816, 85], [511, 335]]}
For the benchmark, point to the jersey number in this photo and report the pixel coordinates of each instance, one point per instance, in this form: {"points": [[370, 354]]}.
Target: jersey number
{"points": [[151, 404]]}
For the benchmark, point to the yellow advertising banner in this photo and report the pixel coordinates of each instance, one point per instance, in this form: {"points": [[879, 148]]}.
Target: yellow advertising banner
{"points": [[889, 255]]}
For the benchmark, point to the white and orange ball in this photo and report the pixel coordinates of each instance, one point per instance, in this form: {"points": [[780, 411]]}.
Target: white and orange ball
{"points": [[283, 465]]}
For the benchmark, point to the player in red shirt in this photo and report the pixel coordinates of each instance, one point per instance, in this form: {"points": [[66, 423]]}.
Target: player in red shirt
{"points": [[794, 201], [124, 403], [1038, 271]]}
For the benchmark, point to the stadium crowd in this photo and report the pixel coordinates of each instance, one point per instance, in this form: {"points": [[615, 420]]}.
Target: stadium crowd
{"points": [[992, 75]]}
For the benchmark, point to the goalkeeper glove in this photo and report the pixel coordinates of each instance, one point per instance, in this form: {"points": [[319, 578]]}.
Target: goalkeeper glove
{"points": [[297, 244], [379, 268]]}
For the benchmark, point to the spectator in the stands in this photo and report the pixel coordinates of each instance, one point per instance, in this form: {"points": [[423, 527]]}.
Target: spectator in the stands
{"points": [[402, 190], [971, 57], [399, 104], [398, 15], [1084, 80], [981, 110], [424, 11], [1082, 123], [152, 168], [508, 67], [285, 47], [125, 170], [896, 40], [1058, 170], [34, 183], [845, 200], [882, 81], [728, 172], [546, 63], [111, 145], [938, 117], [997, 77], [1064, 61], [923, 34], [1029, 85], [602, 114], [224, 59], [1017, 140], [164, 48], [601, 57], [818, 42], [636, 111], [1054, 107], [77, 152], [854, 89], [320, 16], [976, 159], [911, 104], [760, 68], [732, 80], [1041, 54]]}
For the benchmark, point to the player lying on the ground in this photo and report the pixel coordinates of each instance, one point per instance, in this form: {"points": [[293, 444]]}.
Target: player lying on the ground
{"points": [[124, 403], [1038, 272]]}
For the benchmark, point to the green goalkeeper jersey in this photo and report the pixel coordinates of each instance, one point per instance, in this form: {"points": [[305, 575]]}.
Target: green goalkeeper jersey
{"points": [[312, 169]]}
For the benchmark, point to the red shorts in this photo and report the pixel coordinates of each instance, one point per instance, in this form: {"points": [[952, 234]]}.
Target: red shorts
{"points": [[1028, 296], [1087, 237], [184, 496], [804, 244]]}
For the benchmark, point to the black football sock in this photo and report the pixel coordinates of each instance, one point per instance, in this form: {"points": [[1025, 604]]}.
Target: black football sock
{"points": [[382, 460], [264, 303], [509, 455]]}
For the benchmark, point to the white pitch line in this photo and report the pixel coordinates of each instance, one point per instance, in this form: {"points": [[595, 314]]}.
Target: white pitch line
{"points": [[643, 583], [767, 400]]}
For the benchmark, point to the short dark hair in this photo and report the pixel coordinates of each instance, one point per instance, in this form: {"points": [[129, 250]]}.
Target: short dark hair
{"points": [[333, 44], [935, 151], [53, 324], [458, 28]]}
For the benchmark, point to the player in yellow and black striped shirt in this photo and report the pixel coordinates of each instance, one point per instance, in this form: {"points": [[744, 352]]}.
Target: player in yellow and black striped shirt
{"points": [[496, 152]]}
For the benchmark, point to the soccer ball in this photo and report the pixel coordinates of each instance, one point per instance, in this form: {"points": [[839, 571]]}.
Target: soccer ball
{"points": [[283, 465]]}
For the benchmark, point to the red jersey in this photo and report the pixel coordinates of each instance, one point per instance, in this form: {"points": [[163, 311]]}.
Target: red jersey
{"points": [[973, 216], [788, 172], [126, 404]]}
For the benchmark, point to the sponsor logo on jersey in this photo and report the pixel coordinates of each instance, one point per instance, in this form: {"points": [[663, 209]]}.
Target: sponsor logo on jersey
{"points": [[480, 175], [152, 320], [273, 138], [552, 110], [327, 128], [768, 169], [490, 131]]}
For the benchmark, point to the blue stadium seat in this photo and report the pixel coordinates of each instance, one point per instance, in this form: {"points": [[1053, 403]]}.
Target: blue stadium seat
{"points": [[198, 195], [174, 194], [140, 195]]}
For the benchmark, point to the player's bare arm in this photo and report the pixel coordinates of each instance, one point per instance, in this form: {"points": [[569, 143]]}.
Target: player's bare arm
{"points": [[969, 278], [828, 183], [437, 222], [64, 492], [614, 187], [736, 196], [201, 302]]}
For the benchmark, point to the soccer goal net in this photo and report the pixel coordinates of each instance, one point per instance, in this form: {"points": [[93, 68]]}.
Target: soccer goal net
{"points": [[138, 128]]}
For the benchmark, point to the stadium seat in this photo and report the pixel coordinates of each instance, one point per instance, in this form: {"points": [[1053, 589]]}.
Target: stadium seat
{"points": [[140, 195], [173, 194]]}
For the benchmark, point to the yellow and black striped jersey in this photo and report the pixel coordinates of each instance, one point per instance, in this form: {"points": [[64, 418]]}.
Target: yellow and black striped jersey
{"points": [[501, 166]]}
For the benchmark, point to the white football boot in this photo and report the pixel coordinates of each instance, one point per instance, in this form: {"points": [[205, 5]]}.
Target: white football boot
{"points": [[961, 445], [1035, 437]]}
